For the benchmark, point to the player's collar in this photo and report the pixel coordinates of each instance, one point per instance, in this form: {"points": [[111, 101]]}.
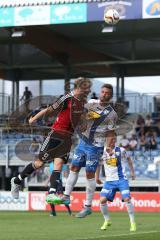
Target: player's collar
{"points": [[72, 94]]}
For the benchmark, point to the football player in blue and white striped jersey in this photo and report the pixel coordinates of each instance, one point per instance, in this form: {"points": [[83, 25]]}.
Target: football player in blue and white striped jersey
{"points": [[115, 159]]}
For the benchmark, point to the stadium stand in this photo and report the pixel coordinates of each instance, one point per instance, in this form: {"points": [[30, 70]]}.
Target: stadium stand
{"points": [[144, 156], [142, 140]]}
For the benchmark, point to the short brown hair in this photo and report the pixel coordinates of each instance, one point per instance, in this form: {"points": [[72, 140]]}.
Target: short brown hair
{"points": [[82, 81], [109, 86]]}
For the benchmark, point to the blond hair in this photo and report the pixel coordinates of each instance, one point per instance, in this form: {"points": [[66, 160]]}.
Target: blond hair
{"points": [[82, 82]]}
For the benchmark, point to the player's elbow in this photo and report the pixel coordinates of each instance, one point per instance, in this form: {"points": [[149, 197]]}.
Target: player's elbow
{"points": [[48, 110]]}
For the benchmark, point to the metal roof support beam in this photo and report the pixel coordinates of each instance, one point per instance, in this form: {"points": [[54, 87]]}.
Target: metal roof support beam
{"points": [[40, 87], [13, 96], [17, 76], [122, 87], [117, 88], [67, 78], [108, 63]]}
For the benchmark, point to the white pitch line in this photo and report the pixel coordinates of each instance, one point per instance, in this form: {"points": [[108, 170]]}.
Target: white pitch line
{"points": [[120, 235]]}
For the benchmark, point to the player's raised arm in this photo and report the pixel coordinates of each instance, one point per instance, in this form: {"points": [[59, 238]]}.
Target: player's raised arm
{"points": [[38, 115], [55, 108]]}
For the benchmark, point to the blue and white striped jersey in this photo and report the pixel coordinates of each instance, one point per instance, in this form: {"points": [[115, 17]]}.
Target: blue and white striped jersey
{"points": [[115, 164], [100, 119]]}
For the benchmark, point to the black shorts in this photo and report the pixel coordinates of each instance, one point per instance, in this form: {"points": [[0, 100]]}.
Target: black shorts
{"points": [[56, 145]]}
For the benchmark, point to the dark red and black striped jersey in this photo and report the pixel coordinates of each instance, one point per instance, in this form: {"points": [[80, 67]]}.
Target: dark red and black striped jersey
{"points": [[70, 113]]}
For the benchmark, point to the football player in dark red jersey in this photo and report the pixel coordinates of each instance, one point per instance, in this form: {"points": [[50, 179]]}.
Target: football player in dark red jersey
{"points": [[69, 109]]}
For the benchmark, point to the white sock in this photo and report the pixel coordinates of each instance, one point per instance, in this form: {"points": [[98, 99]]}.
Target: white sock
{"points": [[104, 210], [71, 181], [20, 178], [90, 189], [130, 210]]}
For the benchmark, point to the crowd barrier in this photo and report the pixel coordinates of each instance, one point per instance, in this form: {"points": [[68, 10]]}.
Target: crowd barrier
{"points": [[35, 201]]}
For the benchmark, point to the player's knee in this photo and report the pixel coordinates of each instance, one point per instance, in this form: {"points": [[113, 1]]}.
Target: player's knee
{"points": [[90, 175], [126, 199], [38, 164], [58, 163], [75, 168], [103, 200]]}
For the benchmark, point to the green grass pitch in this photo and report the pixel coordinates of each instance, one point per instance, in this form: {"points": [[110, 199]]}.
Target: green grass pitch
{"points": [[40, 226]]}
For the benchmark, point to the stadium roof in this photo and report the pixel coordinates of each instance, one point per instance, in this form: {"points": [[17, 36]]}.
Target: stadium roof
{"points": [[13, 3], [45, 52]]}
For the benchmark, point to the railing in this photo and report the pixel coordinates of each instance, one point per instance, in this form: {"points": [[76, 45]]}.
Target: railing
{"points": [[5, 104], [13, 154], [146, 168], [140, 103], [137, 102]]}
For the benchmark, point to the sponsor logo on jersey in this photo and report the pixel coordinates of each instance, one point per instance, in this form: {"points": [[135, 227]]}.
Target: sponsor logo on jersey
{"points": [[112, 162], [93, 115]]}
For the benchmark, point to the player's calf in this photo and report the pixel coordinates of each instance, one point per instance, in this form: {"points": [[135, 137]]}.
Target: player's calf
{"points": [[104, 211], [130, 210]]}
